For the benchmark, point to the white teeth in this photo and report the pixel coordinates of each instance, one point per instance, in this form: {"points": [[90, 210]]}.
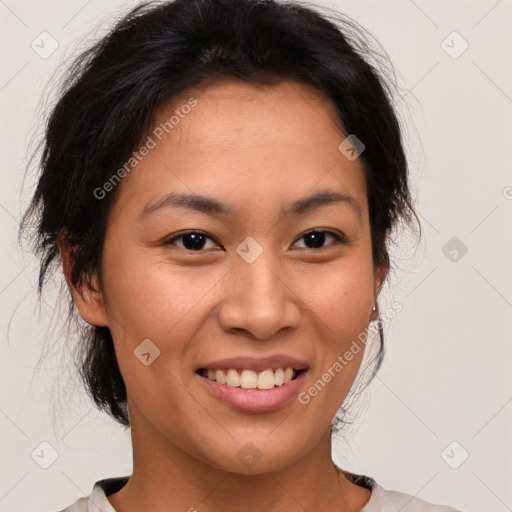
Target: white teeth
{"points": [[266, 379], [220, 376], [250, 379], [279, 377], [233, 378], [288, 375]]}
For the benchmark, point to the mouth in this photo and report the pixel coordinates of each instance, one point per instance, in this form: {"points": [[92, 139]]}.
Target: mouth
{"points": [[250, 391], [247, 379]]}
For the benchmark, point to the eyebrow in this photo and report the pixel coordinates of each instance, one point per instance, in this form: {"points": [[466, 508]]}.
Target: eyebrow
{"points": [[211, 206]]}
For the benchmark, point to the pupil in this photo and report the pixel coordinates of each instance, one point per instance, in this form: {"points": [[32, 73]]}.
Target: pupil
{"points": [[197, 241], [317, 238]]}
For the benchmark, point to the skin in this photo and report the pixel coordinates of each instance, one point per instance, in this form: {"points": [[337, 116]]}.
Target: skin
{"points": [[254, 148]]}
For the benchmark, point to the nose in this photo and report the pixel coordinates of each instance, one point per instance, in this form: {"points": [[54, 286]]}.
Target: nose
{"points": [[259, 299]]}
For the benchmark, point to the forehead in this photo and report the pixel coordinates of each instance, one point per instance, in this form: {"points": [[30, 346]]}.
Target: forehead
{"points": [[228, 110], [246, 142]]}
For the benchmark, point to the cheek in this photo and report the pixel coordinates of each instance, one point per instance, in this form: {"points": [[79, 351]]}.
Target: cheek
{"points": [[144, 304], [341, 302], [342, 296], [150, 296]]}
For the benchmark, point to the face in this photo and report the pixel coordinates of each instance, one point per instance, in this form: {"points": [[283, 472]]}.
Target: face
{"points": [[260, 276]]}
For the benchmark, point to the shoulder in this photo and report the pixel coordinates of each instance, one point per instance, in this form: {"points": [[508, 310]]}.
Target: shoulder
{"points": [[383, 500], [97, 499], [80, 505]]}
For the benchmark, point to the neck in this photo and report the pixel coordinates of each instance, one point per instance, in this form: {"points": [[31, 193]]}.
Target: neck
{"points": [[166, 477]]}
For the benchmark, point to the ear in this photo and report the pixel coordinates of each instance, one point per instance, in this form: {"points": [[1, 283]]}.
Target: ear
{"points": [[379, 273], [88, 300]]}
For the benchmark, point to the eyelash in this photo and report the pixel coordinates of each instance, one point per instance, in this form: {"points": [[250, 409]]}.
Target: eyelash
{"points": [[338, 238]]}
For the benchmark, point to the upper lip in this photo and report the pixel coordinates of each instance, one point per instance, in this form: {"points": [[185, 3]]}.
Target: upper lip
{"points": [[257, 364]]}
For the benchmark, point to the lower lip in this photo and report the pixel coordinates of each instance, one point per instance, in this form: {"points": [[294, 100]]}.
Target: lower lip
{"points": [[255, 400]]}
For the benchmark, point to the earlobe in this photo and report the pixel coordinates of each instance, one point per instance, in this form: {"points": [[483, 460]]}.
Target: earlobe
{"points": [[379, 280], [87, 296], [375, 312], [380, 276]]}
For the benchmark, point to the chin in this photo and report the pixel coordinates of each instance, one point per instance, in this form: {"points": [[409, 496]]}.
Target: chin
{"points": [[257, 454]]}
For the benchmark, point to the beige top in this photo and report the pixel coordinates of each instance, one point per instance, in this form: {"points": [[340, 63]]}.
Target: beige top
{"points": [[381, 500]]}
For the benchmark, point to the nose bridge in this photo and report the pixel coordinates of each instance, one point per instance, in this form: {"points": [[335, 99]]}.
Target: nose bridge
{"points": [[258, 300]]}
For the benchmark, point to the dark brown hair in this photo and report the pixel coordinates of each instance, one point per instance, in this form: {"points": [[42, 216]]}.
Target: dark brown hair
{"points": [[158, 50]]}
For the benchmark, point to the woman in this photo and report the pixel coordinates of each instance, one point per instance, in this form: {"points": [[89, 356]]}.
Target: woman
{"points": [[219, 180]]}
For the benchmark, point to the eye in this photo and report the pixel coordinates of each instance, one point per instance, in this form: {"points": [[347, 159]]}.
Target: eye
{"points": [[192, 240], [315, 239], [196, 240]]}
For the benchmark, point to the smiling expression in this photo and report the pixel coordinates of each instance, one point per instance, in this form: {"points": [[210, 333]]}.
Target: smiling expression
{"points": [[243, 234]]}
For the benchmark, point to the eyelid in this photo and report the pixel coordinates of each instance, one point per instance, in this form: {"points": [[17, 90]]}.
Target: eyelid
{"points": [[340, 238], [168, 241]]}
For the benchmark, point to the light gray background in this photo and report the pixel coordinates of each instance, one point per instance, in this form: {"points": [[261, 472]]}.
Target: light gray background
{"points": [[446, 376]]}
